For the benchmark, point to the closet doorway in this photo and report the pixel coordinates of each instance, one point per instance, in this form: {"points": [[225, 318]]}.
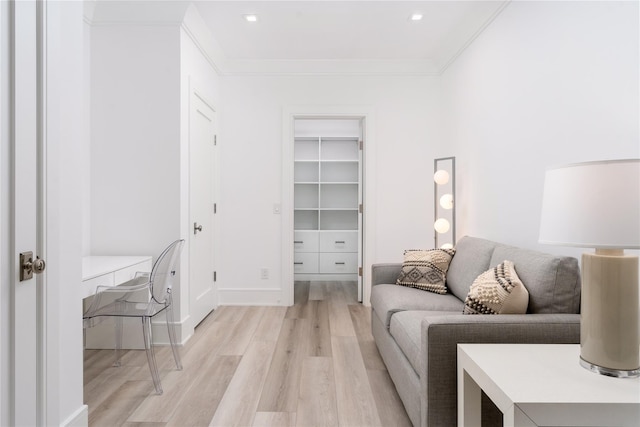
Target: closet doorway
{"points": [[328, 199]]}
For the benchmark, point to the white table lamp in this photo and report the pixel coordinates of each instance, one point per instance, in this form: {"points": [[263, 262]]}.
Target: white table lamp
{"points": [[597, 205]]}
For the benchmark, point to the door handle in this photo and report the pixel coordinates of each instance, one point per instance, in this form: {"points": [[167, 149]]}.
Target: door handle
{"points": [[196, 227], [28, 266]]}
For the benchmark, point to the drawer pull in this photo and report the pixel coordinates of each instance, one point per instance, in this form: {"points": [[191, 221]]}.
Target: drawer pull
{"points": [[298, 263], [340, 263], [298, 242], [340, 242]]}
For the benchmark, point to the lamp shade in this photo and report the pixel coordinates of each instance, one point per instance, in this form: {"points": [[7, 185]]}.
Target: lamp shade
{"points": [[593, 204]]}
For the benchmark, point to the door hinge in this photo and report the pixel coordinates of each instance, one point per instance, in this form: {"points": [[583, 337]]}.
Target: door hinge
{"points": [[361, 143], [215, 208], [360, 271], [215, 276], [360, 208]]}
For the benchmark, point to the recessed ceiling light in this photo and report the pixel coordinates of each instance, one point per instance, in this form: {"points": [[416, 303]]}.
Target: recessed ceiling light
{"points": [[251, 18], [416, 16]]}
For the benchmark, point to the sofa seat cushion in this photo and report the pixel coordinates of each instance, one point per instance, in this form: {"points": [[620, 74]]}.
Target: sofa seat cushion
{"points": [[389, 299], [405, 328]]}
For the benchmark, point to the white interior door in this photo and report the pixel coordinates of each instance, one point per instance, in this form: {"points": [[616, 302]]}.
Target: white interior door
{"points": [[24, 344], [201, 208]]}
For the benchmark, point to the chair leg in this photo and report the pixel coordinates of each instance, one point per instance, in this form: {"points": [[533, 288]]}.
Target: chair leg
{"points": [[151, 356], [171, 329], [118, 340]]}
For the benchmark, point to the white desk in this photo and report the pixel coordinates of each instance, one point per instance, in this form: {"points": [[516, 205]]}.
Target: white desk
{"points": [[110, 271], [542, 385]]}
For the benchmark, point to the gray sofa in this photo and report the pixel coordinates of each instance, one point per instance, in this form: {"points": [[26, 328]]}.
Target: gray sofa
{"points": [[417, 331]]}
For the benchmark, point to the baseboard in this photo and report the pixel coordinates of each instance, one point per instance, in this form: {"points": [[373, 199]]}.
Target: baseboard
{"points": [[250, 296], [184, 331], [80, 418]]}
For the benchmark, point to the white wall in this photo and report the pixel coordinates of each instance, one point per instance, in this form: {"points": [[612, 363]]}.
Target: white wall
{"points": [[547, 83], [135, 134], [407, 135]]}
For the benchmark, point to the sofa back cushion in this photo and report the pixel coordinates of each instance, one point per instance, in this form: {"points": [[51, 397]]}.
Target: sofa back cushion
{"points": [[472, 258], [553, 281]]}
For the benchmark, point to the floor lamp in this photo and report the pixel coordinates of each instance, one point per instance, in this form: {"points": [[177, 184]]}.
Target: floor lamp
{"points": [[597, 205]]}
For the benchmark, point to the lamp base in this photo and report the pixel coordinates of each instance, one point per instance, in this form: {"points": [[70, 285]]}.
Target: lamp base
{"points": [[617, 373], [609, 330]]}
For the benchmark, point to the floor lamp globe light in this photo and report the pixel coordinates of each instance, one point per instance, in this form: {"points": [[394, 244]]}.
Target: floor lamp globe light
{"points": [[597, 205], [444, 193]]}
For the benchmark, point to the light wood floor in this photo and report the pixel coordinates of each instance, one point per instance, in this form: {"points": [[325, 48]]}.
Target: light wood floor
{"points": [[312, 364]]}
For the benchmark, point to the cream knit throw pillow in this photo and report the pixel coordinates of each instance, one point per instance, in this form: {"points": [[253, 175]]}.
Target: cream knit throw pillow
{"points": [[498, 290], [426, 269]]}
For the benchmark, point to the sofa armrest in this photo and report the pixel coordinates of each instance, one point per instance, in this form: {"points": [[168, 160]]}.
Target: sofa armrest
{"points": [[441, 334], [386, 273]]}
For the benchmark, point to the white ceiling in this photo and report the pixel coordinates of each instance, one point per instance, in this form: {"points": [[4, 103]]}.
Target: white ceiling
{"points": [[343, 33]]}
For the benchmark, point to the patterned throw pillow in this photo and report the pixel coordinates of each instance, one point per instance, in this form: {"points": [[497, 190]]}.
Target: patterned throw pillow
{"points": [[498, 290], [426, 269]]}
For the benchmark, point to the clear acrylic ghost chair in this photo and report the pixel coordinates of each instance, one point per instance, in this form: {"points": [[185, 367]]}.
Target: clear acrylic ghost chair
{"points": [[145, 296]]}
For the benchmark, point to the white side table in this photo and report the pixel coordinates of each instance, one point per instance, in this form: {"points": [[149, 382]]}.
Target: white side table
{"points": [[542, 385]]}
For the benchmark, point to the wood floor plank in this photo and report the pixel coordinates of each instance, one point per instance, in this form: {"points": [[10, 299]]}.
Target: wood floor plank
{"points": [[316, 291], [301, 297], [120, 404], [301, 292], [269, 327], [320, 330], [243, 331], [160, 408], [350, 291], [143, 424], [361, 318], [280, 393], [356, 405], [340, 320], [274, 419], [317, 403], [200, 401], [103, 385], [390, 408], [238, 404]]}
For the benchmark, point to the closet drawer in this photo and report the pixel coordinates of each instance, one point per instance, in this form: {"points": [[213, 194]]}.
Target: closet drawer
{"points": [[305, 262], [305, 241], [339, 241], [339, 263]]}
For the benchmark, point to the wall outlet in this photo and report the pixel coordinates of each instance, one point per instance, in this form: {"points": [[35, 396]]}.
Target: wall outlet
{"points": [[264, 273]]}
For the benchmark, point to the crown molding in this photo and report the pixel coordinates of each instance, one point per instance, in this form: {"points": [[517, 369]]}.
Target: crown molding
{"points": [[444, 65], [328, 68], [187, 18]]}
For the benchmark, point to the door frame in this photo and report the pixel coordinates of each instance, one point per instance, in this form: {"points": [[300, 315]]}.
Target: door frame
{"points": [[367, 116], [11, 158]]}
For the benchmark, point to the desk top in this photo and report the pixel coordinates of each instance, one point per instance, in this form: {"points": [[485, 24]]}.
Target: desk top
{"points": [[546, 373], [94, 266]]}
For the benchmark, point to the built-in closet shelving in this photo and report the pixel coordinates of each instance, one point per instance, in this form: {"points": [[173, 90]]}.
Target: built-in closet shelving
{"points": [[326, 205]]}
